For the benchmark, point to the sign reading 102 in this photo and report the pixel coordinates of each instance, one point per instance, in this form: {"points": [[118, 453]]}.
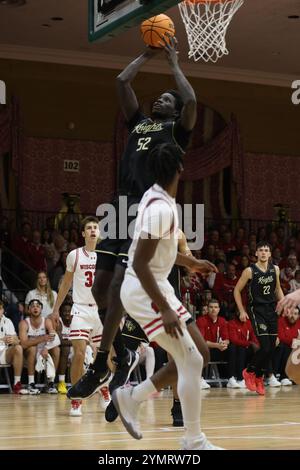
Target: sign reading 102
{"points": [[71, 165]]}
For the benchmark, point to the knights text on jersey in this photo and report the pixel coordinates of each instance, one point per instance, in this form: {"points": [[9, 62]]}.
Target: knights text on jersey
{"points": [[262, 286], [145, 134], [83, 264]]}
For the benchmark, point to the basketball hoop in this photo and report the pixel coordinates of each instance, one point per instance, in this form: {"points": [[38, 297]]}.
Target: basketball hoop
{"points": [[206, 23]]}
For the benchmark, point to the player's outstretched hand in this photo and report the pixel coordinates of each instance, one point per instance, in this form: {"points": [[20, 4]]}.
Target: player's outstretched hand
{"points": [[170, 47], [291, 300], [202, 266]]}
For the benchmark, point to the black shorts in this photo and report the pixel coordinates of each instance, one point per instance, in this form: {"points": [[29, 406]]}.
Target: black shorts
{"points": [[264, 320], [113, 250], [133, 334]]}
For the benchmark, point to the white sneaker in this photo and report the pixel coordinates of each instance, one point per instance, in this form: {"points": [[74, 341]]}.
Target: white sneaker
{"points": [[76, 408], [286, 382], [241, 383], [204, 384], [273, 382], [232, 383], [32, 390], [200, 443], [104, 396], [128, 409]]}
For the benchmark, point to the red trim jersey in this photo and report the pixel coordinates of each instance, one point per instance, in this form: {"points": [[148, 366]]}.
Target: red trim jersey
{"points": [[287, 331], [83, 264]]}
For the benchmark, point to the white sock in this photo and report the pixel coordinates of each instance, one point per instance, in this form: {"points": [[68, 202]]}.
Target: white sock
{"points": [[17, 379], [61, 378], [189, 363], [143, 390], [31, 379]]}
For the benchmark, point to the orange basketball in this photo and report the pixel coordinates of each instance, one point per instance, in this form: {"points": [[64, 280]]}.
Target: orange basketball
{"points": [[155, 27]]}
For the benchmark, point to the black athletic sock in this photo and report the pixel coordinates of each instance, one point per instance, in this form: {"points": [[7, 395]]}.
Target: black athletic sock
{"points": [[100, 363], [119, 345]]}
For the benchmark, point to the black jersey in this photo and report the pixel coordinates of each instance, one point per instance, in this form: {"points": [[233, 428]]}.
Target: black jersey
{"points": [[262, 286], [134, 176]]}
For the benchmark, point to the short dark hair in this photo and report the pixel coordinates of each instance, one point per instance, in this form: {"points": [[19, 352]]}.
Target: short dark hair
{"points": [[262, 244], [178, 100], [86, 220], [213, 301], [164, 161]]}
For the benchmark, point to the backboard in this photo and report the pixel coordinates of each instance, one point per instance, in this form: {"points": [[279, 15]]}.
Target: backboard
{"points": [[108, 18]]}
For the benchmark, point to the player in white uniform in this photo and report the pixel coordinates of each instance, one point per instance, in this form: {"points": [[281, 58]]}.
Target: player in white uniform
{"points": [[38, 337], [11, 351], [150, 299], [67, 352], [81, 265]]}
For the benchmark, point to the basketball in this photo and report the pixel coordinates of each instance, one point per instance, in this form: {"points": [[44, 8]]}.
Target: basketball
{"points": [[155, 27]]}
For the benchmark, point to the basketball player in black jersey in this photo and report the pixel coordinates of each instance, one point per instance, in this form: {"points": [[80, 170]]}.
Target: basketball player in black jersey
{"points": [[172, 120], [264, 291]]}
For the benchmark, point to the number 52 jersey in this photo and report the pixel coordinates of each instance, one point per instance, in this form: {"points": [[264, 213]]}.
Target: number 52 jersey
{"points": [[83, 264]]}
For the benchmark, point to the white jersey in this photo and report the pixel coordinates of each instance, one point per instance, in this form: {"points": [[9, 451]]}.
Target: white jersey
{"points": [[6, 329], [158, 217], [83, 264], [65, 330], [34, 332]]}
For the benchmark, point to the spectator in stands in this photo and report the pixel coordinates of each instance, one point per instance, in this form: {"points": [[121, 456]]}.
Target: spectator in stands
{"points": [[43, 293], [289, 272], [21, 247], [59, 245], [295, 283], [46, 238], [276, 256], [37, 253], [240, 239], [242, 344], [38, 337], [214, 329], [59, 270], [10, 350], [288, 330], [21, 243], [228, 245], [223, 290]]}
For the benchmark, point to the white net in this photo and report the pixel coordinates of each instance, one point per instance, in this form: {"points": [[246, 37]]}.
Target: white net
{"points": [[206, 23]]}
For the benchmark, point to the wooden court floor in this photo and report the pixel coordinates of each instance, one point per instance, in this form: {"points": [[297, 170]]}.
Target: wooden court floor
{"points": [[233, 419]]}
